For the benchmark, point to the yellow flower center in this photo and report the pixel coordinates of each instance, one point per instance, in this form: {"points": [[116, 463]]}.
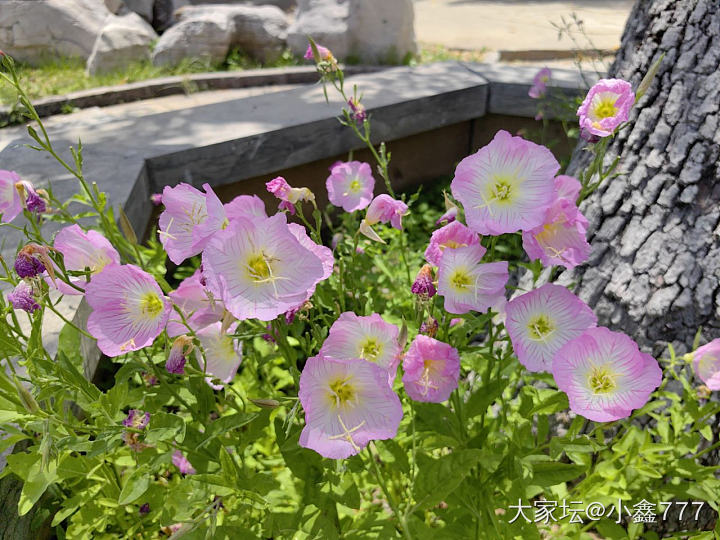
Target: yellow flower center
{"points": [[355, 186], [606, 108], [151, 305], [341, 392], [540, 327], [258, 268], [601, 380], [371, 350], [460, 280], [502, 190]]}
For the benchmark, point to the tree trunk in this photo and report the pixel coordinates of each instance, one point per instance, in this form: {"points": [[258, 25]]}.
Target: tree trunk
{"points": [[655, 265], [655, 262]]}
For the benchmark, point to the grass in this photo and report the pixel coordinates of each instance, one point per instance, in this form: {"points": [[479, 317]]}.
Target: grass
{"points": [[65, 75]]}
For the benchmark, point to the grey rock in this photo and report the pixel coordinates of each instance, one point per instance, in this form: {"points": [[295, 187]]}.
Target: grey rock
{"points": [[207, 38], [123, 40], [34, 32], [326, 21], [372, 31], [382, 31], [259, 31]]}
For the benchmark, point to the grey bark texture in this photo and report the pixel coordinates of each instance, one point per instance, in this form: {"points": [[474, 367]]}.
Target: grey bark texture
{"points": [[654, 271], [655, 266]]}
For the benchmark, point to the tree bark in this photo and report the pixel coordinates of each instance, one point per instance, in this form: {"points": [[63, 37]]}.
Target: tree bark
{"points": [[655, 263]]}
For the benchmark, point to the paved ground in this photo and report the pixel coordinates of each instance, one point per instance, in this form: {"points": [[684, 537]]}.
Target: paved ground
{"points": [[513, 25]]}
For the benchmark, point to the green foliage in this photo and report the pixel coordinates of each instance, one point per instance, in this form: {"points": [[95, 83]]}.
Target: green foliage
{"points": [[458, 469]]}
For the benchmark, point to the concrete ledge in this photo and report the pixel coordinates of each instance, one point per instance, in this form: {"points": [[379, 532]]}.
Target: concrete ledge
{"points": [[104, 96]]}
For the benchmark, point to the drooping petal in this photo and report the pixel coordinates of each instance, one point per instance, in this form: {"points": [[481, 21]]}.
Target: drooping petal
{"points": [[189, 220], [223, 353], [81, 250], [10, 201]]}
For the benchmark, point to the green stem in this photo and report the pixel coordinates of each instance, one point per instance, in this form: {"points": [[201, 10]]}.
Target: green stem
{"points": [[390, 499]]}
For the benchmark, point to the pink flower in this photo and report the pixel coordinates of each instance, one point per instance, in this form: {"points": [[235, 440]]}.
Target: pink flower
{"points": [[384, 208], [432, 369], [567, 188], [706, 361], [288, 195], [259, 269], [156, 199], [350, 185], [606, 106], [452, 236], [182, 463], [199, 307], [10, 201], [506, 185], [369, 338], [189, 220], [540, 81], [540, 322], [223, 354], [129, 309], [324, 53], [247, 206], [23, 297], [347, 404], [604, 374], [279, 187], [561, 239], [83, 250], [466, 284]]}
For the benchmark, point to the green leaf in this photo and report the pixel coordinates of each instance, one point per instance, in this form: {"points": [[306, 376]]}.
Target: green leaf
{"points": [[483, 397], [136, 484], [37, 482], [549, 473], [437, 478]]}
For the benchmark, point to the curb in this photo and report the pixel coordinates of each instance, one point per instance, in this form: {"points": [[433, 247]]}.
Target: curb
{"points": [[553, 54], [104, 96]]}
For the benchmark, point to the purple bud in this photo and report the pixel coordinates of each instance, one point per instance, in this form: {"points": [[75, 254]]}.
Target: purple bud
{"points": [[156, 199], [22, 297], [35, 203], [423, 285], [448, 217], [181, 347], [144, 509], [28, 266]]}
